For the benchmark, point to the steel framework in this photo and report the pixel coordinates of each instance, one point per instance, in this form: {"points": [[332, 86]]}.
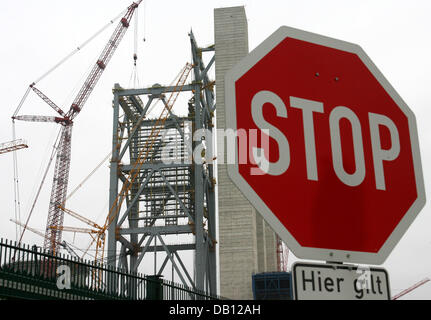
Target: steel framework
{"points": [[172, 194]]}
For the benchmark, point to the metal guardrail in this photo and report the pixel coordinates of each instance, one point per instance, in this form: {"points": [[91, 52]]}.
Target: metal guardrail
{"points": [[29, 273]]}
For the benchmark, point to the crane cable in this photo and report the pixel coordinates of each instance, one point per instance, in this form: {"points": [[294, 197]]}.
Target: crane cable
{"points": [[134, 74], [78, 48], [88, 176], [16, 186], [21, 102]]}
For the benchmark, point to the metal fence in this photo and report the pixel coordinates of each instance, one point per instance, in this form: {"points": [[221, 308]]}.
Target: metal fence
{"points": [[29, 273]]}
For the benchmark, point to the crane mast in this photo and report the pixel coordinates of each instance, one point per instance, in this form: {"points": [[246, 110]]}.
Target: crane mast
{"points": [[54, 224], [59, 190]]}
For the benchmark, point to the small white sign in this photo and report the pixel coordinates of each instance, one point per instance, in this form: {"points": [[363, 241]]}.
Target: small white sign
{"points": [[339, 282]]}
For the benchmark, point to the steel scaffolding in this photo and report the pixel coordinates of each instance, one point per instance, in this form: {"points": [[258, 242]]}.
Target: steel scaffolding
{"points": [[171, 195]]}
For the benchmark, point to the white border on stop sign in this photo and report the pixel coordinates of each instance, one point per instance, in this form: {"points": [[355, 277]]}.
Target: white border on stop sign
{"points": [[317, 253]]}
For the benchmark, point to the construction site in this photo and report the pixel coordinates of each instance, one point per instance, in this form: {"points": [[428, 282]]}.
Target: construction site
{"points": [[161, 218], [120, 179]]}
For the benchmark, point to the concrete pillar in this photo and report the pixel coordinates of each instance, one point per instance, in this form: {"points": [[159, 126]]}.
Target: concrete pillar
{"points": [[237, 236], [246, 244], [261, 244], [271, 249]]}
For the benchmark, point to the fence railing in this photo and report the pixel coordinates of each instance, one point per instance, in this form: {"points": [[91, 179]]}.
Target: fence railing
{"points": [[29, 271]]}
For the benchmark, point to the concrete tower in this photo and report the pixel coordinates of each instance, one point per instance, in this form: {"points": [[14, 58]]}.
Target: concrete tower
{"points": [[246, 243]]}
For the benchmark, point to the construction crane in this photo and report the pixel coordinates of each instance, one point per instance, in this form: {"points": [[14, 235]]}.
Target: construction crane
{"points": [[413, 287], [12, 145], [53, 232]]}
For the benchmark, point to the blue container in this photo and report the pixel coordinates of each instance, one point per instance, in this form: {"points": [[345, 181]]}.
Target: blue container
{"points": [[272, 286]]}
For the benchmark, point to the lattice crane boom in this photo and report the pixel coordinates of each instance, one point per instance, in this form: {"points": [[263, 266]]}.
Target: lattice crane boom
{"points": [[76, 229], [64, 244], [410, 289], [59, 190], [47, 100], [27, 227], [12, 145], [82, 218], [36, 118]]}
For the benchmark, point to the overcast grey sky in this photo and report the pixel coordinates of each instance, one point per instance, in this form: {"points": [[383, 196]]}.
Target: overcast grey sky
{"points": [[37, 34]]}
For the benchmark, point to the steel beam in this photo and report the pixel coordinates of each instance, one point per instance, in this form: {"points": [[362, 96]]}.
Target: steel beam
{"points": [[164, 230], [153, 90]]}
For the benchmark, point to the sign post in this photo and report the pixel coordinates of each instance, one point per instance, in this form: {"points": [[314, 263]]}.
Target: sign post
{"points": [[331, 155], [339, 282]]}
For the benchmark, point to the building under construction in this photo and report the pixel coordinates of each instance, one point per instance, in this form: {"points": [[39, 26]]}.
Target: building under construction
{"points": [[168, 194]]}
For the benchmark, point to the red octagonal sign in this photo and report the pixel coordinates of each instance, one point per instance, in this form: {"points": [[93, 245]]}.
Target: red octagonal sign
{"points": [[332, 157]]}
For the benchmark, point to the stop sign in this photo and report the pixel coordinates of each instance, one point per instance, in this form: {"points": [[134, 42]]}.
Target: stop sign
{"points": [[326, 151]]}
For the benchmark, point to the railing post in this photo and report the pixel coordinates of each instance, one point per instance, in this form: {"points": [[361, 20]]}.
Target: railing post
{"points": [[155, 287]]}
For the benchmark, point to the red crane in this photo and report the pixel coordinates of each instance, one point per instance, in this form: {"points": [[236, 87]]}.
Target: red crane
{"points": [[413, 287], [54, 224]]}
